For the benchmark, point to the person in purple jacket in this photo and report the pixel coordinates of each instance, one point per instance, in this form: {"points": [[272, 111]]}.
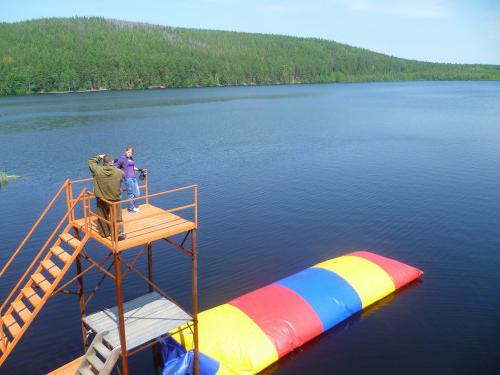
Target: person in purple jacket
{"points": [[127, 164]]}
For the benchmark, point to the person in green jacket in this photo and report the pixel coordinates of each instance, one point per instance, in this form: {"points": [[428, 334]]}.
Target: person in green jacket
{"points": [[107, 185]]}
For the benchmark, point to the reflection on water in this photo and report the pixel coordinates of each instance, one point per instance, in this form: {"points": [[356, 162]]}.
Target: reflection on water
{"points": [[286, 363], [289, 176], [26, 115]]}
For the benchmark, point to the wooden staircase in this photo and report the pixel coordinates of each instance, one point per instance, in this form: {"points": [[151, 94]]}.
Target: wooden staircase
{"points": [[37, 285], [99, 358]]}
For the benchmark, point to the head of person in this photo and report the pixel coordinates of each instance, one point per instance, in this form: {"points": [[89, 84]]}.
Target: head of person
{"points": [[129, 151], [107, 159]]}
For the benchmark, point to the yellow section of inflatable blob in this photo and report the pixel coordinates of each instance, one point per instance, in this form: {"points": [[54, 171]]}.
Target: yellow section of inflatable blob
{"points": [[229, 336], [368, 279]]}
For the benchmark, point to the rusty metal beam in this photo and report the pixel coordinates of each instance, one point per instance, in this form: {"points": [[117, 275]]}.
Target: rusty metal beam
{"points": [[121, 318], [194, 275], [97, 265], [176, 245], [66, 291], [135, 261], [150, 265], [79, 275], [98, 285]]}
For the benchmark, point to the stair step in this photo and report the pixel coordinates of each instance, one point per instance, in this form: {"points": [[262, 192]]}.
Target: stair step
{"points": [[51, 268], [102, 349], [32, 296], [21, 310], [3, 341], [41, 281], [11, 325], [86, 371], [70, 240], [95, 362], [61, 254]]}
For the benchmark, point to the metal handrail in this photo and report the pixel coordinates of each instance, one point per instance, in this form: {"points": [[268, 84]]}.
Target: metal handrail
{"points": [[33, 227], [92, 213], [91, 179], [89, 215], [49, 240], [151, 195], [82, 180]]}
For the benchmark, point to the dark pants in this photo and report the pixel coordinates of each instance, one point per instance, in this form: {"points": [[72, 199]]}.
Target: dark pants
{"points": [[104, 210]]}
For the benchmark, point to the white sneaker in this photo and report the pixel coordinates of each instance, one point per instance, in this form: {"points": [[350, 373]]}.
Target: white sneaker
{"points": [[135, 210]]}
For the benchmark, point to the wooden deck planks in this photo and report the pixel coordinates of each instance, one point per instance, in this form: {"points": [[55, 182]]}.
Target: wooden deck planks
{"points": [[146, 318], [143, 230]]}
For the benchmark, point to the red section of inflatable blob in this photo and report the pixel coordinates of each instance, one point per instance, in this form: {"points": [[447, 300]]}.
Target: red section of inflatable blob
{"points": [[286, 318], [400, 273]]}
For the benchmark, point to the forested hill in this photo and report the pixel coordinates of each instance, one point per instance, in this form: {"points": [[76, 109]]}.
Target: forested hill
{"points": [[95, 53]]}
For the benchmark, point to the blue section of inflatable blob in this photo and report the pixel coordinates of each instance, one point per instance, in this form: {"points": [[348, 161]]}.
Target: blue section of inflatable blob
{"points": [[176, 361], [331, 297]]}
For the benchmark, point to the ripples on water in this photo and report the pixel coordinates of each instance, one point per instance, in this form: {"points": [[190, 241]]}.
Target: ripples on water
{"points": [[290, 176]]}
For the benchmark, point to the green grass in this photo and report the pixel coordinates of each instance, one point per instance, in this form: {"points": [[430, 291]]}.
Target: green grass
{"points": [[3, 178]]}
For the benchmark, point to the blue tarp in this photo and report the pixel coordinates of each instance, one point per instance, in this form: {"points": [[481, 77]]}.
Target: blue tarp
{"points": [[176, 361]]}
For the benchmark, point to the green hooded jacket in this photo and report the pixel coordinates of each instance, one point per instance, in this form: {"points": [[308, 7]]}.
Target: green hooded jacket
{"points": [[107, 179]]}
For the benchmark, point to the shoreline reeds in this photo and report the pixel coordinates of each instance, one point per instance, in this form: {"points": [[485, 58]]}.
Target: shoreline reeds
{"points": [[5, 178]]}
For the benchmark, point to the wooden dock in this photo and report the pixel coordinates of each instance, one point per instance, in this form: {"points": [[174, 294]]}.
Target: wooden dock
{"points": [[146, 318]]}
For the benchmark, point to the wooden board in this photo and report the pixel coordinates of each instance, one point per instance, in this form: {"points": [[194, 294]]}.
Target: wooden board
{"points": [[141, 228], [69, 368], [146, 318]]}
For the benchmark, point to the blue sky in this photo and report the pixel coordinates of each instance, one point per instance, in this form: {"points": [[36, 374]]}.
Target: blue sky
{"points": [[458, 31]]}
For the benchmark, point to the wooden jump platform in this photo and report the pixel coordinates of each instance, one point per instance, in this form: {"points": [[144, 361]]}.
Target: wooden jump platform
{"points": [[151, 224], [146, 318]]}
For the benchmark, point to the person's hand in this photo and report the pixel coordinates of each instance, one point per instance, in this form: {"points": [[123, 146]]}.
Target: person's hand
{"points": [[145, 170]]}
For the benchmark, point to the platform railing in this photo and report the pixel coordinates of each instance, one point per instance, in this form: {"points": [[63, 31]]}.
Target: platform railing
{"points": [[144, 186], [64, 187], [114, 206], [90, 216]]}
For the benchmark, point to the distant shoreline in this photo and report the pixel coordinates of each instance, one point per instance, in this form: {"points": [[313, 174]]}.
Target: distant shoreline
{"points": [[242, 85], [67, 92]]}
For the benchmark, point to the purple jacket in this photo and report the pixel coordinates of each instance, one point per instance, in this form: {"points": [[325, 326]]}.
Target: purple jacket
{"points": [[127, 166]]}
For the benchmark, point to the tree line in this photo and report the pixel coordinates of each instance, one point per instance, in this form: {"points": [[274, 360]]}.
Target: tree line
{"points": [[67, 54]]}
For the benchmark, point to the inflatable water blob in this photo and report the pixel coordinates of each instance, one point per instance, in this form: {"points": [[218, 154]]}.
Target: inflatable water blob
{"points": [[249, 333]]}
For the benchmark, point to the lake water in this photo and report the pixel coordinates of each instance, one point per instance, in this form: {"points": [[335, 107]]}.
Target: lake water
{"points": [[289, 176]]}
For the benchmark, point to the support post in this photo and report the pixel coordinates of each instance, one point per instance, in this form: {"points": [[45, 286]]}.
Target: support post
{"points": [[81, 298], [70, 190], [114, 229], [121, 319], [80, 291], [150, 265], [196, 206], [154, 349], [68, 199], [194, 273]]}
